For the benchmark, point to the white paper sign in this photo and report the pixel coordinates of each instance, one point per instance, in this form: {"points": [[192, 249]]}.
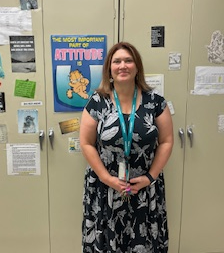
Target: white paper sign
{"points": [[73, 145], [13, 21], [208, 80], [174, 61], [215, 49], [23, 159], [3, 133], [156, 81], [221, 123]]}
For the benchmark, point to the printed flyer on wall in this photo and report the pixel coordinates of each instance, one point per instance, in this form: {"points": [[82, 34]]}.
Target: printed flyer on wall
{"points": [[77, 62]]}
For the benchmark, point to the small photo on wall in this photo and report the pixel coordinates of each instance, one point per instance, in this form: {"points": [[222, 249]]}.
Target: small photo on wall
{"points": [[2, 102], [28, 121], [22, 54], [28, 4]]}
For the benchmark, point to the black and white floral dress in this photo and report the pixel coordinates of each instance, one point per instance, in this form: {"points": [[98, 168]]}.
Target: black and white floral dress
{"points": [[109, 224]]}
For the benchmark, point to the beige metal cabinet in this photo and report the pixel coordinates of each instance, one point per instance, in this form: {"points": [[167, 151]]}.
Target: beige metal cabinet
{"points": [[194, 174], [176, 17], [24, 219], [43, 214], [66, 171], [202, 226]]}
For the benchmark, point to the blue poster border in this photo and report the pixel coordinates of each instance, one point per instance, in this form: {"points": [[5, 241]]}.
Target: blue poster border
{"points": [[77, 63]]}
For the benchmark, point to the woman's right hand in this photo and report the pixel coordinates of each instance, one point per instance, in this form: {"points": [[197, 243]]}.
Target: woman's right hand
{"points": [[117, 184]]}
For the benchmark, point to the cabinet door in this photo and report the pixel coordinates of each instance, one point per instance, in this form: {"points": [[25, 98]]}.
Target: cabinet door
{"points": [[24, 223], [66, 170], [175, 16], [202, 227]]}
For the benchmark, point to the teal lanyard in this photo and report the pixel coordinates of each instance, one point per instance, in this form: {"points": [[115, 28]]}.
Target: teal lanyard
{"points": [[127, 138]]}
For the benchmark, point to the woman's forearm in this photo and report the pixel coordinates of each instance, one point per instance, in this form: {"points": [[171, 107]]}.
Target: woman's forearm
{"points": [[95, 162], [162, 155]]}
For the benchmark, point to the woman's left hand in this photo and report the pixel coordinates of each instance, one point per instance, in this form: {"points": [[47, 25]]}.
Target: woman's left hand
{"points": [[138, 183]]}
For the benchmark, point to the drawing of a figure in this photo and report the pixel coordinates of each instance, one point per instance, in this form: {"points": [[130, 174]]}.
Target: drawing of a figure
{"points": [[29, 125], [78, 85], [216, 48]]}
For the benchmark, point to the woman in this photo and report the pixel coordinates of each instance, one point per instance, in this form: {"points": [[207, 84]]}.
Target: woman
{"points": [[126, 135]]}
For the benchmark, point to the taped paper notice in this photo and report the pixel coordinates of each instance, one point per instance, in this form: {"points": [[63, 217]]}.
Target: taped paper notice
{"points": [[174, 61], [25, 88], [170, 105], [73, 145], [216, 48], [23, 159], [156, 81], [221, 123], [3, 133], [208, 80], [13, 21]]}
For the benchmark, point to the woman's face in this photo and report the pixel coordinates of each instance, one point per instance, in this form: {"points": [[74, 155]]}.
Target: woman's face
{"points": [[123, 67]]}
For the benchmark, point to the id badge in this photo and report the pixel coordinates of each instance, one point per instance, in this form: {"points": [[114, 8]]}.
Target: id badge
{"points": [[121, 171]]}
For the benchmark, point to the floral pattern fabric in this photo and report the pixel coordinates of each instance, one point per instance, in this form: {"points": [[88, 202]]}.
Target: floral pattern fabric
{"points": [[111, 225]]}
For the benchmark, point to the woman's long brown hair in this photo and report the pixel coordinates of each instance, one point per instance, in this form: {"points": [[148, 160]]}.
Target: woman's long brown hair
{"points": [[106, 86]]}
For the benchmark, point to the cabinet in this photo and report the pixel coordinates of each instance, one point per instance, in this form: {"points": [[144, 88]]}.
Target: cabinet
{"points": [[202, 225], [194, 174], [24, 219], [66, 171], [44, 213]]}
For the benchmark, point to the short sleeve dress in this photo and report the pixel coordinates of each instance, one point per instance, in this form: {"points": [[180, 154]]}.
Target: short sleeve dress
{"points": [[111, 225]]}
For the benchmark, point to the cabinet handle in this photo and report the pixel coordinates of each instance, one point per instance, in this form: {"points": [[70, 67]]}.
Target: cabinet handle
{"points": [[190, 135], [41, 138], [51, 137], [181, 135]]}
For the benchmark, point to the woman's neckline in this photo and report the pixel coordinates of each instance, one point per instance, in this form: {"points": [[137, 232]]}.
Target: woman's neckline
{"points": [[138, 102]]}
